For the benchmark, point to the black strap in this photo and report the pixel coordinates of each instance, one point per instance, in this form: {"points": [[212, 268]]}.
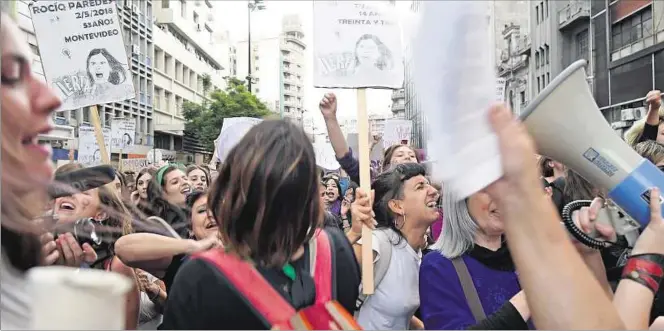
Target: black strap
{"points": [[469, 290]]}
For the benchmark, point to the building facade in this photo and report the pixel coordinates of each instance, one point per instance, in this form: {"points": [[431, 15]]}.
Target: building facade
{"points": [[559, 36], [136, 23], [278, 68], [187, 67], [628, 57], [514, 67]]}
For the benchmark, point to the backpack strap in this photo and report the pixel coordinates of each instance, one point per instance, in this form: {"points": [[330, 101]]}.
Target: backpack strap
{"points": [[251, 285], [381, 266], [322, 266], [469, 290]]}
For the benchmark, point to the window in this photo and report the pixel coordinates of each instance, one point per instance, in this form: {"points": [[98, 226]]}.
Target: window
{"points": [[631, 29], [546, 53], [183, 8], [582, 45], [548, 78], [546, 8], [537, 59], [522, 97], [86, 114], [537, 14], [195, 18], [538, 85]]}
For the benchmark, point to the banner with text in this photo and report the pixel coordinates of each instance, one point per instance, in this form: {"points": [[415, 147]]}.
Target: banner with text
{"points": [[88, 149], [82, 51], [357, 44], [134, 165], [397, 132], [123, 131]]}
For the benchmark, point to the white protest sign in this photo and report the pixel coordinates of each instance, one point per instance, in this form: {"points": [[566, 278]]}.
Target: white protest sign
{"points": [[88, 150], [232, 131], [134, 165], [325, 157], [501, 84], [123, 131], [397, 132], [82, 51], [455, 82], [357, 44]]}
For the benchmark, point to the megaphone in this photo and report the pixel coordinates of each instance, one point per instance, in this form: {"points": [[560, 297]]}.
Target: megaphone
{"points": [[567, 126]]}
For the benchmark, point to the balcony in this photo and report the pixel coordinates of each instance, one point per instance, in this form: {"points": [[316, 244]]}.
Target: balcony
{"points": [[523, 46], [398, 94], [398, 107], [295, 40], [575, 12], [185, 28]]}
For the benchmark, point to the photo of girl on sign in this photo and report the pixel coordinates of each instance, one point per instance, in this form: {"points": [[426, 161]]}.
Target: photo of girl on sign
{"points": [[372, 57], [104, 71]]}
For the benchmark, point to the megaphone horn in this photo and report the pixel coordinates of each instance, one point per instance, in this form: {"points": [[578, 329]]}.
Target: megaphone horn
{"points": [[567, 126]]}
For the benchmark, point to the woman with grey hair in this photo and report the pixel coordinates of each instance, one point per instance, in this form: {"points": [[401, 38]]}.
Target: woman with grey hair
{"points": [[469, 278]]}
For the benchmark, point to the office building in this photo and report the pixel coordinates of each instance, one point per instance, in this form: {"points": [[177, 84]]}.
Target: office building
{"points": [[628, 58], [136, 24], [398, 106], [278, 66], [559, 36], [187, 67]]}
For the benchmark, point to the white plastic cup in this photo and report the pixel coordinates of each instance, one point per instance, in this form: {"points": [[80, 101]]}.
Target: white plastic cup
{"points": [[65, 298]]}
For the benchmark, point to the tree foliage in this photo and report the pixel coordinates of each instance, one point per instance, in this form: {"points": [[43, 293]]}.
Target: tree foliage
{"points": [[205, 120]]}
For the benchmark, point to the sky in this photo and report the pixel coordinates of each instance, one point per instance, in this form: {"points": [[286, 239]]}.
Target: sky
{"points": [[232, 16]]}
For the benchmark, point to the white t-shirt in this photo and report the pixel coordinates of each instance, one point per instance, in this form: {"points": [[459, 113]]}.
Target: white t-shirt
{"points": [[397, 297], [14, 307]]}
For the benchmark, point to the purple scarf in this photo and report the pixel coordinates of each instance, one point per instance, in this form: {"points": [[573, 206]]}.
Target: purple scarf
{"points": [[335, 208]]}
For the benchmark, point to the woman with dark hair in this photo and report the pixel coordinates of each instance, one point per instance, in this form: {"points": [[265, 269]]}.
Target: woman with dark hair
{"points": [[371, 55], [140, 196], [166, 197], [198, 177], [405, 205], [267, 206], [103, 68], [120, 183], [332, 196]]}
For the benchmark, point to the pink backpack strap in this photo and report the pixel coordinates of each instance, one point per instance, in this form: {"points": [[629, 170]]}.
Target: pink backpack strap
{"points": [[261, 296], [323, 267]]}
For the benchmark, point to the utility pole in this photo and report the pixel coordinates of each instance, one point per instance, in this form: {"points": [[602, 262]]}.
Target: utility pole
{"points": [[251, 6]]}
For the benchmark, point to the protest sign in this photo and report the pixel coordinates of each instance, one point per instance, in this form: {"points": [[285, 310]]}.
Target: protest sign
{"points": [[89, 153], [397, 132], [123, 131]]}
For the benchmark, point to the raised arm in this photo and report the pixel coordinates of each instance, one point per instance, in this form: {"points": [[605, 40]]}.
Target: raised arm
{"points": [[562, 292]]}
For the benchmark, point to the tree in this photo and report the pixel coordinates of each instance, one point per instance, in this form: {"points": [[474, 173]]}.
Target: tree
{"points": [[205, 120]]}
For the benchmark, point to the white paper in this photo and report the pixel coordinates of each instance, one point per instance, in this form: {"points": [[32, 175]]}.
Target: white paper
{"points": [[65, 298], [396, 131], [325, 156], [456, 84], [82, 51], [357, 44], [232, 131], [123, 132], [89, 153]]}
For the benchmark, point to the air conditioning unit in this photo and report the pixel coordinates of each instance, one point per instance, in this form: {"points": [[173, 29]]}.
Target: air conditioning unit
{"points": [[633, 114], [135, 49]]}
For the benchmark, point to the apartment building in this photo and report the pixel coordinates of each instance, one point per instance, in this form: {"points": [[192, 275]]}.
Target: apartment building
{"points": [[136, 23], [278, 66], [188, 65]]}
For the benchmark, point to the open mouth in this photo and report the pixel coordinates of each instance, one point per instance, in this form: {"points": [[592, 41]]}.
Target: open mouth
{"points": [[67, 207], [185, 190], [31, 141], [99, 75]]}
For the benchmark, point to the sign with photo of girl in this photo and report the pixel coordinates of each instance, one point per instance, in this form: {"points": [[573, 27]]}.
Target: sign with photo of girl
{"points": [[82, 51], [357, 44]]}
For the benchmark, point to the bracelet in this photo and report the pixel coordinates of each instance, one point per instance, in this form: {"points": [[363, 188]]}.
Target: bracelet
{"points": [[156, 295], [645, 269]]}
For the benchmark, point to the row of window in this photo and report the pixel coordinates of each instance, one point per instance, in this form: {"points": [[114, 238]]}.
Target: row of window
{"points": [[542, 11], [543, 81], [542, 56], [632, 29]]}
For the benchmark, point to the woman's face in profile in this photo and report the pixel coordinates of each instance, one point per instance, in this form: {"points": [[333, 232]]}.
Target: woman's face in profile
{"points": [[367, 52], [99, 68]]}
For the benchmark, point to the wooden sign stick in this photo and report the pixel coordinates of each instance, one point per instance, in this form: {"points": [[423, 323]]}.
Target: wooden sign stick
{"points": [[99, 133], [365, 184]]}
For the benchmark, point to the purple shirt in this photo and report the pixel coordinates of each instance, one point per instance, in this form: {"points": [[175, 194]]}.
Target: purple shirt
{"points": [[442, 303]]}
